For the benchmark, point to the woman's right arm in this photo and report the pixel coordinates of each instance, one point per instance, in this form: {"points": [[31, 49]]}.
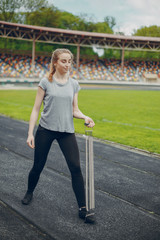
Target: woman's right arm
{"points": [[34, 116]]}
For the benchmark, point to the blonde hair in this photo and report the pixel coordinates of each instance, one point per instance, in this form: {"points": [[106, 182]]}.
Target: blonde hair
{"points": [[54, 59]]}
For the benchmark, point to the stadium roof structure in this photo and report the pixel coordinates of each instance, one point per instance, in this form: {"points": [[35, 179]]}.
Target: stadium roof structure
{"points": [[77, 38]]}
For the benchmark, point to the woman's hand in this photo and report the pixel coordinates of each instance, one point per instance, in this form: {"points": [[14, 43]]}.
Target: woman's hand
{"points": [[30, 141], [89, 122]]}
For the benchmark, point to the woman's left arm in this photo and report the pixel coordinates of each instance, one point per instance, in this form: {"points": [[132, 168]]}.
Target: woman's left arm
{"points": [[78, 114]]}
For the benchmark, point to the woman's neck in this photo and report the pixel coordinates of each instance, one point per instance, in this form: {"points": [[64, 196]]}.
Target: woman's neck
{"points": [[61, 77]]}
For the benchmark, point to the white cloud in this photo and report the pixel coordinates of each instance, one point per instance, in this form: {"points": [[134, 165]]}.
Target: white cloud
{"points": [[144, 5], [127, 28], [129, 14], [138, 13], [137, 4]]}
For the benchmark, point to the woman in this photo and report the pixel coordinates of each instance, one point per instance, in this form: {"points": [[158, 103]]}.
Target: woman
{"points": [[59, 94]]}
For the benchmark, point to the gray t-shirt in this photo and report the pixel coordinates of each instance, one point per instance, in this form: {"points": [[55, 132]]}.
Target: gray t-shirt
{"points": [[57, 114]]}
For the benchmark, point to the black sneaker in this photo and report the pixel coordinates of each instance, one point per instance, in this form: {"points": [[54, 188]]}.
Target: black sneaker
{"points": [[82, 212], [27, 198], [90, 217]]}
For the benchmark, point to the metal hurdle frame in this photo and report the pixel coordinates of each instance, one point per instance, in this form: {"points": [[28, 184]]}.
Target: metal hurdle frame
{"points": [[90, 195]]}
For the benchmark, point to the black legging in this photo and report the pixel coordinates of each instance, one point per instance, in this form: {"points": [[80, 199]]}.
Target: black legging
{"points": [[69, 147]]}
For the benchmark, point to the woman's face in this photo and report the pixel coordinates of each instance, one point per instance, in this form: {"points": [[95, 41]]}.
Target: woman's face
{"points": [[63, 64]]}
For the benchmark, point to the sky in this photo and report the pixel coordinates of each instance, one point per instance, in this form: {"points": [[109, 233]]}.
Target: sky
{"points": [[129, 14]]}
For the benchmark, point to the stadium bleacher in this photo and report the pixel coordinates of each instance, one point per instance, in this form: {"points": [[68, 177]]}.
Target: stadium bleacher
{"points": [[129, 73], [94, 70], [20, 67]]}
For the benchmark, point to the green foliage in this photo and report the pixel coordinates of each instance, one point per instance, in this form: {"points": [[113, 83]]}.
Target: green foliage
{"points": [[112, 53], [34, 5], [9, 13], [13, 44], [87, 51], [101, 27], [151, 31], [111, 21], [43, 13], [48, 17], [68, 21], [142, 55], [126, 117], [8, 8], [52, 17]]}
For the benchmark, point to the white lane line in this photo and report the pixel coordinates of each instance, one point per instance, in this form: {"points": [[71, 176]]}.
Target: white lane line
{"points": [[129, 124]]}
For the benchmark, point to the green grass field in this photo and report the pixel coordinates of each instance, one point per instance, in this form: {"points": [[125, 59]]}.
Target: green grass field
{"points": [[122, 116]]}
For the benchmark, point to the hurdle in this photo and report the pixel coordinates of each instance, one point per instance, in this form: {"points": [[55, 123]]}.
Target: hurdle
{"points": [[90, 195]]}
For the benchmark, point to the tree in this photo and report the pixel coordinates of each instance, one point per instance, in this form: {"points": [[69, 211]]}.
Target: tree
{"points": [[11, 10], [8, 9], [68, 21], [32, 9], [151, 31], [34, 5], [102, 27], [120, 33], [111, 21], [48, 17]]}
